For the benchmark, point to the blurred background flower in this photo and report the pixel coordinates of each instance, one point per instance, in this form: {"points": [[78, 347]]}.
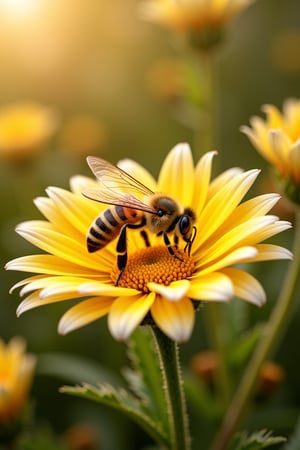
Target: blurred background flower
{"points": [[24, 130], [204, 21], [83, 135], [16, 376], [278, 140]]}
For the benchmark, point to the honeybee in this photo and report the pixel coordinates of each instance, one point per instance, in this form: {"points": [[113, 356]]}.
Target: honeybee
{"points": [[134, 206]]}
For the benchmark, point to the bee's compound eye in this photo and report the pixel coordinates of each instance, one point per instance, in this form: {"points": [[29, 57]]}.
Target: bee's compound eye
{"points": [[184, 224]]}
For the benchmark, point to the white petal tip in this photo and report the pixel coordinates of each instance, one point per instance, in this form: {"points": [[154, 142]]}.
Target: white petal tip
{"points": [[174, 292]]}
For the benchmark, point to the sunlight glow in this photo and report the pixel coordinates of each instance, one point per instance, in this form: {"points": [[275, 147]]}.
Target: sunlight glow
{"points": [[19, 9]]}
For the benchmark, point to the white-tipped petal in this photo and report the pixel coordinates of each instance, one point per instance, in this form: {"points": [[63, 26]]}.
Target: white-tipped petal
{"points": [[127, 313], [212, 287], [174, 291], [84, 313], [175, 319], [246, 286]]}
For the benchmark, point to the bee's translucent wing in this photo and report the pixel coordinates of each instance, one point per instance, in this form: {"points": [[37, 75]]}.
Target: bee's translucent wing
{"points": [[118, 187], [116, 179]]}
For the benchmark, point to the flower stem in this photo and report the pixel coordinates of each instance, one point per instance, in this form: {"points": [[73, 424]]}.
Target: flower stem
{"points": [[209, 129], [272, 334], [173, 387]]}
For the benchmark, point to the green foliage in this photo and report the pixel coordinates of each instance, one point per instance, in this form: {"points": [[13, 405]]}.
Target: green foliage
{"points": [[144, 401], [41, 440], [144, 376], [294, 443], [256, 441], [75, 369], [201, 398]]}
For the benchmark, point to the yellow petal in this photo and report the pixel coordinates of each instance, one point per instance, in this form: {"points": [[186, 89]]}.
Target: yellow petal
{"points": [[257, 206], [246, 286], [214, 286], [202, 179], [221, 205], [34, 300], [177, 175], [175, 319], [127, 313], [50, 265], [222, 179], [266, 252], [294, 160], [42, 235], [84, 313], [77, 210], [236, 256], [247, 233], [51, 286], [79, 183], [174, 292], [98, 288]]}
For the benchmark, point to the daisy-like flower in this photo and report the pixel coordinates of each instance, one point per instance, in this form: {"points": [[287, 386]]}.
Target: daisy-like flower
{"points": [[277, 138], [193, 16], [16, 374], [154, 285], [24, 128]]}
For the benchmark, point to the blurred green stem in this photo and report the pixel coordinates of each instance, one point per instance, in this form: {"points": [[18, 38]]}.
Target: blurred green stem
{"points": [[215, 330], [168, 353], [213, 314], [271, 337], [206, 135]]}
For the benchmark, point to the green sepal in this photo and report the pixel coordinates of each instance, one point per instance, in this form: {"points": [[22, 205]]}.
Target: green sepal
{"points": [[123, 401], [255, 441], [289, 188]]}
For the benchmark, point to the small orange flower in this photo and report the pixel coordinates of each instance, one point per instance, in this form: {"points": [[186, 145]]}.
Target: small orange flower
{"points": [[16, 373]]}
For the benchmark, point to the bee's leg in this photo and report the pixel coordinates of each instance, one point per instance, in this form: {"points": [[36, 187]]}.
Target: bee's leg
{"points": [[122, 252], [189, 243], [122, 247], [176, 240], [169, 246], [145, 236]]}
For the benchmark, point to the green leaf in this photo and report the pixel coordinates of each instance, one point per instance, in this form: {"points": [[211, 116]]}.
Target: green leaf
{"points": [[256, 441], [145, 378], [75, 369], [124, 402]]}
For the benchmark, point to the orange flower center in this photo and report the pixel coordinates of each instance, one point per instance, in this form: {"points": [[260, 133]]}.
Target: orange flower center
{"points": [[154, 264]]}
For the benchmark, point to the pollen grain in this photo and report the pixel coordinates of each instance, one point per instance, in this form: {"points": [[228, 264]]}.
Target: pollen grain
{"points": [[154, 264]]}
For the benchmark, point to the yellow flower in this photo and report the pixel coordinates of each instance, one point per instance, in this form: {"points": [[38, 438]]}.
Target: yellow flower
{"points": [[278, 140], [16, 373], [24, 128], [191, 16], [154, 285]]}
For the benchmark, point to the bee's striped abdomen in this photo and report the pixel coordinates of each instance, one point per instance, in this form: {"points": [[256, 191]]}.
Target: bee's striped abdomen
{"points": [[107, 226]]}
